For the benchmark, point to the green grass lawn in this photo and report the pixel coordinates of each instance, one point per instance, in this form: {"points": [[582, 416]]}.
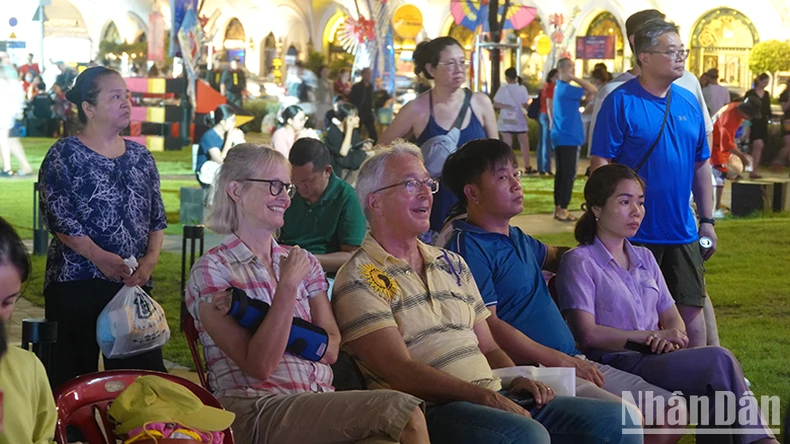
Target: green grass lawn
{"points": [[16, 199]]}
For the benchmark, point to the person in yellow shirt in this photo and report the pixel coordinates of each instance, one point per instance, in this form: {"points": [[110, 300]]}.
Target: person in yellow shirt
{"points": [[27, 408]]}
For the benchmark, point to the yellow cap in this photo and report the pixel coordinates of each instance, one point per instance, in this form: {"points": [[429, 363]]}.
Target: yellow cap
{"points": [[152, 398]]}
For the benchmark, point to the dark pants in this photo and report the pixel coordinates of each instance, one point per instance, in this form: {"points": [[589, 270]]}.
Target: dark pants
{"points": [[566, 158], [699, 371], [370, 126], [76, 306]]}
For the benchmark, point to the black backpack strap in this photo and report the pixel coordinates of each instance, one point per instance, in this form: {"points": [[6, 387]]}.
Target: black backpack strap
{"points": [[430, 101], [658, 137], [467, 100]]}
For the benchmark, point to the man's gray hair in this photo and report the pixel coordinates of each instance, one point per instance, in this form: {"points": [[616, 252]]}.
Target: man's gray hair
{"points": [[646, 37], [371, 173]]}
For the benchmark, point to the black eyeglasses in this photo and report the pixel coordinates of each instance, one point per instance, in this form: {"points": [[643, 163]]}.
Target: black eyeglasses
{"points": [[277, 186], [413, 186]]}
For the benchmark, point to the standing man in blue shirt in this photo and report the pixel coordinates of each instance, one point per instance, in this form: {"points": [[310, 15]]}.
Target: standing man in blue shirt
{"points": [[567, 133], [629, 124]]}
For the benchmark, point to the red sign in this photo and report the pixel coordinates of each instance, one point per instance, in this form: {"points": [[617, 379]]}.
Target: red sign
{"points": [[156, 37], [595, 47]]}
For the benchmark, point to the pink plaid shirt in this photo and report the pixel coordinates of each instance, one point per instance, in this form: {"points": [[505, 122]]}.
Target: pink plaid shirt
{"points": [[232, 264]]}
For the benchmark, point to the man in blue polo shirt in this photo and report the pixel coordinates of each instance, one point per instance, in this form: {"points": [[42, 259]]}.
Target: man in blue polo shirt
{"points": [[628, 125], [324, 217], [506, 265], [567, 133]]}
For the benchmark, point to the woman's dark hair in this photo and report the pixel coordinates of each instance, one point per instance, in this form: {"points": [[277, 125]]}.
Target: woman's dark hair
{"points": [[510, 73], [468, 163], [289, 113], [346, 109], [598, 189], [551, 74], [221, 113], [13, 251], [428, 51], [86, 88]]}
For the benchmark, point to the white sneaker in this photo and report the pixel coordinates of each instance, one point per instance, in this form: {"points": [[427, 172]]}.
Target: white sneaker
{"points": [[719, 214]]}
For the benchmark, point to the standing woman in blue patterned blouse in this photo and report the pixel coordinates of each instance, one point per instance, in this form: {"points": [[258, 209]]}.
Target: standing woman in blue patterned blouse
{"points": [[101, 200]]}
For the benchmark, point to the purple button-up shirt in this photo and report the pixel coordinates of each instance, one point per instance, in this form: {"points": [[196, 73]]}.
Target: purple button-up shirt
{"points": [[591, 280]]}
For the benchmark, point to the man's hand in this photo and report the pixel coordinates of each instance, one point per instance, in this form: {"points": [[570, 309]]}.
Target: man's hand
{"points": [[499, 402], [145, 267], [707, 230], [542, 393], [586, 370]]}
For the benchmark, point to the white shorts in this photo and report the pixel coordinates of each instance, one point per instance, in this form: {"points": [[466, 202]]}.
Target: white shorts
{"points": [[718, 177]]}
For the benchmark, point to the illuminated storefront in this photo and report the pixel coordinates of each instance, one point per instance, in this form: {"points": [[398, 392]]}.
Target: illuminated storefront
{"points": [[722, 39]]}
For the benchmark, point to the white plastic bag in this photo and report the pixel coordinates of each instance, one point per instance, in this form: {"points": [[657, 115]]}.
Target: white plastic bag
{"points": [[561, 379], [132, 323]]}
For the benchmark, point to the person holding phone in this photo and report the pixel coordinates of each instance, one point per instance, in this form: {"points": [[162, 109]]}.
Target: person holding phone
{"points": [[343, 140], [612, 292]]}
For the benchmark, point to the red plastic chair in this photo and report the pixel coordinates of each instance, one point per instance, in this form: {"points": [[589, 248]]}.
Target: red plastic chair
{"points": [[84, 400], [191, 334]]}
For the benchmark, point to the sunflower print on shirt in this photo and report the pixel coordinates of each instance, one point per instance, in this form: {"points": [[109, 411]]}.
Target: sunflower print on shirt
{"points": [[380, 282]]}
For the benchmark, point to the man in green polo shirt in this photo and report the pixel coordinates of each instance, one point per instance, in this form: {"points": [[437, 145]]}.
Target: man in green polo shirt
{"points": [[325, 217]]}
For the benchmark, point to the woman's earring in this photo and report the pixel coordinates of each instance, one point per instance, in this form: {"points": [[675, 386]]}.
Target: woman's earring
{"points": [[596, 219]]}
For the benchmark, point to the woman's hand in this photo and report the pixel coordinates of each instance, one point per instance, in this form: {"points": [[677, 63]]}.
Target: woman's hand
{"points": [[351, 122], [665, 341], [145, 267], [111, 265], [221, 302], [237, 136], [542, 393], [294, 267]]}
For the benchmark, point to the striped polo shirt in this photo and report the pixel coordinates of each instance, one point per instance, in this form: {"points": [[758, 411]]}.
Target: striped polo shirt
{"points": [[375, 290]]}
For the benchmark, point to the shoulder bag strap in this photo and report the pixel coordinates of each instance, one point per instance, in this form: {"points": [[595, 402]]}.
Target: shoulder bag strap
{"points": [[660, 133], [467, 100]]}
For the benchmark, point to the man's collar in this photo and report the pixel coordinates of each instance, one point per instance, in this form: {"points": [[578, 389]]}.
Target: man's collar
{"points": [[464, 225], [331, 190], [374, 249]]}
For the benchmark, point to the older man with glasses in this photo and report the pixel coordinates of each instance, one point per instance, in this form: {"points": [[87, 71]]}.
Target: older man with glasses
{"points": [[658, 129], [412, 317]]}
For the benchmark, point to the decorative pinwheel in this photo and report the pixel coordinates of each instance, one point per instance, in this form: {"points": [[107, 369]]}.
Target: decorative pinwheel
{"points": [[357, 32]]}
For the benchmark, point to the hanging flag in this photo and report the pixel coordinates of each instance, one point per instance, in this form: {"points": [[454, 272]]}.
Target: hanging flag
{"points": [[156, 37]]}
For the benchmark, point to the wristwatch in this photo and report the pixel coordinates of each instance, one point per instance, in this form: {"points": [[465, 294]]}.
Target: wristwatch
{"points": [[707, 220]]}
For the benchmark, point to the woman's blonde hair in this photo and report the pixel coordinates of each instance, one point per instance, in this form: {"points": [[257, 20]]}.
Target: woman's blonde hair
{"points": [[244, 161]]}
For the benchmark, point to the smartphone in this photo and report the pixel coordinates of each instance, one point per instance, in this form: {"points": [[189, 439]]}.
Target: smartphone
{"points": [[525, 400], [640, 347]]}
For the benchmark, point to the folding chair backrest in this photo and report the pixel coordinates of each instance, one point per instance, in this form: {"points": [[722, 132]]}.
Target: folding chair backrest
{"points": [[83, 402], [191, 334]]}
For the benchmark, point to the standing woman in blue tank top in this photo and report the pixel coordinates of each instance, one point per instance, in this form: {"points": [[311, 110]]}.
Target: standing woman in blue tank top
{"points": [[434, 112]]}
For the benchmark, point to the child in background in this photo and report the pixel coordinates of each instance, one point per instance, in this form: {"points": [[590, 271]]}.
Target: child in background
{"points": [[725, 124]]}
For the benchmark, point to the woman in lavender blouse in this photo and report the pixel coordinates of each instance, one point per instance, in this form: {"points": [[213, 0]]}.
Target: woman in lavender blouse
{"points": [[611, 291]]}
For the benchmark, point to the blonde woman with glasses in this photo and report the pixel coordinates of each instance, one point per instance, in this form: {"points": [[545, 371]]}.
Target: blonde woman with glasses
{"points": [[278, 396]]}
